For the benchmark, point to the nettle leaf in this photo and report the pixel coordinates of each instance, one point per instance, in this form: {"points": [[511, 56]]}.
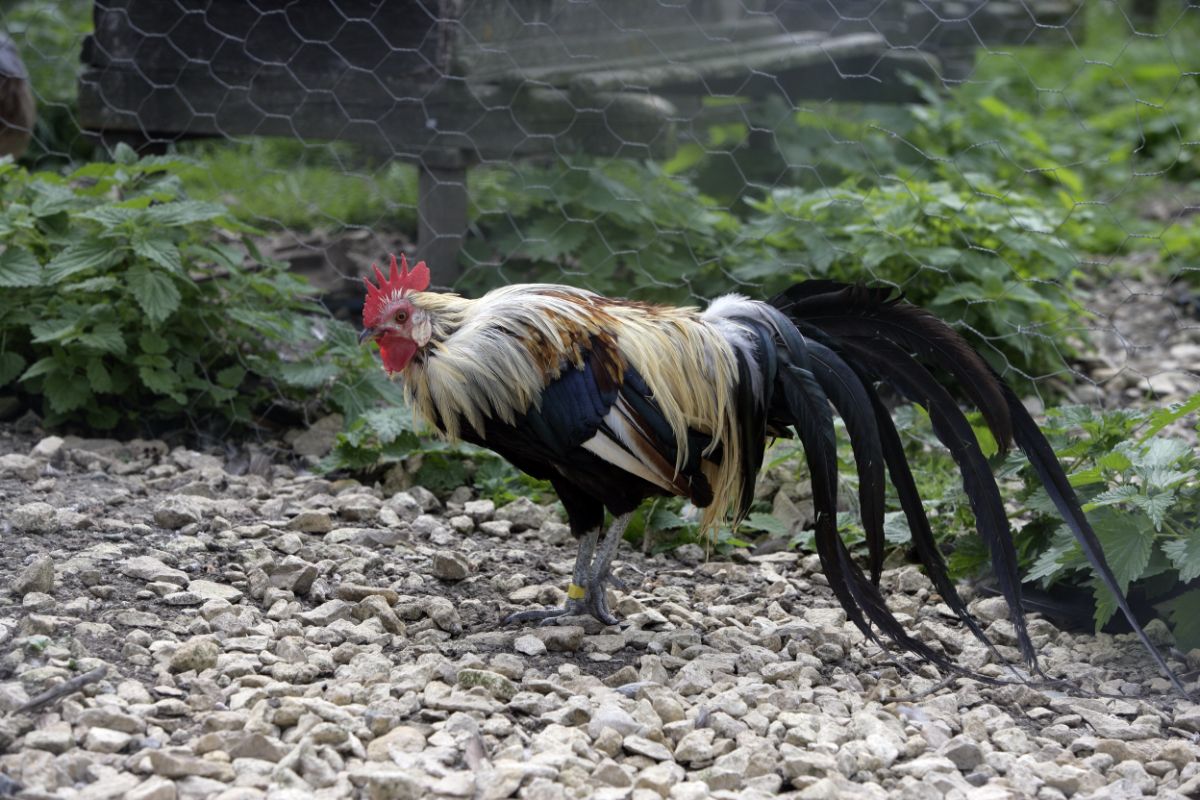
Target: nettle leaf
{"points": [[11, 365], [99, 377], [1185, 555], [1156, 506], [231, 377], [43, 366], [162, 252], [307, 375], [895, 527], [66, 391], [1163, 417], [106, 336], [18, 267], [388, 424], [768, 523], [154, 292], [161, 381], [1128, 540], [79, 257], [183, 212], [152, 343], [53, 330], [1113, 496], [101, 283], [1184, 613]]}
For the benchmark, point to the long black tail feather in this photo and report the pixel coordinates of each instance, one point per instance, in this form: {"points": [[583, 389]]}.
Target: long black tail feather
{"points": [[876, 335]]}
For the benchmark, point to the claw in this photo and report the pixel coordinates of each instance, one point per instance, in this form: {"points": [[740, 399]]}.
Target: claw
{"points": [[546, 616]]}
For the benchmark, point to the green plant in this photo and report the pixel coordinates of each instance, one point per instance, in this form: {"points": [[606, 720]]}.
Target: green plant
{"points": [[1139, 491], [126, 304], [993, 266]]}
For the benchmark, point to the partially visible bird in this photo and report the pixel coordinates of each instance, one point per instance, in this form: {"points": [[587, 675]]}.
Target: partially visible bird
{"points": [[613, 401], [18, 111]]}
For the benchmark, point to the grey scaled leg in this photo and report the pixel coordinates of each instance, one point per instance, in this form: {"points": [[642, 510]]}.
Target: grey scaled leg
{"points": [[575, 596], [595, 600]]}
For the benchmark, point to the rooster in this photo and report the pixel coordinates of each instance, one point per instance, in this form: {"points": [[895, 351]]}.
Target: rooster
{"points": [[613, 401]]}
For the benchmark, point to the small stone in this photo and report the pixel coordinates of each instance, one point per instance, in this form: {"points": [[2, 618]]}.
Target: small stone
{"points": [[376, 605], [19, 466], [33, 517], [47, 448], [920, 767], [293, 574], [450, 565], [523, 513], [479, 510], [196, 655], [326, 613], [659, 778], [496, 684], [529, 645], [178, 510], [964, 752], [103, 740], [211, 590], [354, 592], [54, 739], [615, 717], [181, 764], [562, 638], [151, 569], [403, 739], [640, 745], [38, 576], [153, 788], [311, 521]]}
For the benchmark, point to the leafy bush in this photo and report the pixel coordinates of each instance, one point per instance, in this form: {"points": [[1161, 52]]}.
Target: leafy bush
{"points": [[993, 266], [125, 304], [614, 226], [1139, 491]]}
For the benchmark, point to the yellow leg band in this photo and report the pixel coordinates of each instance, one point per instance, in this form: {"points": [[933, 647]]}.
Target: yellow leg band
{"points": [[576, 592]]}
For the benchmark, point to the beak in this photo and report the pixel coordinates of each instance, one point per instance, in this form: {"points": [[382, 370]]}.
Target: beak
{"points": [[367, 333]]}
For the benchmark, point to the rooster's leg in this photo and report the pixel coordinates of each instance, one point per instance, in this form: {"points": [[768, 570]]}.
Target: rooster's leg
{"points": [[596, 600], [579, 578]]}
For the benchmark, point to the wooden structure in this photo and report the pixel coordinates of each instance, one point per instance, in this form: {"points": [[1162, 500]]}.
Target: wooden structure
{"points": [[449, 83]]}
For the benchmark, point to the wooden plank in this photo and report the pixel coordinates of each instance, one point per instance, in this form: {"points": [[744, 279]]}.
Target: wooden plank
{"points": [[431, 122], [318, 41]]}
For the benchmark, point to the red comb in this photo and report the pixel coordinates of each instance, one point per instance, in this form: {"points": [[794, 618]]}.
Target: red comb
{"points": [[400, 282]]}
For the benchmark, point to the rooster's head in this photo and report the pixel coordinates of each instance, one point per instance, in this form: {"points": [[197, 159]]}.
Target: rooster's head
{"points": [[391, 318]]}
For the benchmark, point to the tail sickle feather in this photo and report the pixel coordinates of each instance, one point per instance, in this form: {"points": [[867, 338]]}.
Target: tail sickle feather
{"points": [[846, 337]]}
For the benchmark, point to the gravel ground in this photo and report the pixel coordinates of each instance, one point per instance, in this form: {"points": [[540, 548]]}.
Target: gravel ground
{"points": [[280, 635], [264, 632]]}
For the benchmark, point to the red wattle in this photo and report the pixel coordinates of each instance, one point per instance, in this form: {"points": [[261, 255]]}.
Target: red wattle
{"points": [[396, 352]]}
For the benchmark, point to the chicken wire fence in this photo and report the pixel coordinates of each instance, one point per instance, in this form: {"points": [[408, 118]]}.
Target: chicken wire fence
{"points": [[1026, 168]]}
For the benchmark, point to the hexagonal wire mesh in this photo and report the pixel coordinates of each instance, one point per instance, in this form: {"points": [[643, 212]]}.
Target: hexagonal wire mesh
{"points": [[1027, 168]]}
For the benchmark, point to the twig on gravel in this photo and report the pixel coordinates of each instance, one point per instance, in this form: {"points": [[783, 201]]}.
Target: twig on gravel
{"points": [[63, 689], [937, 687]]}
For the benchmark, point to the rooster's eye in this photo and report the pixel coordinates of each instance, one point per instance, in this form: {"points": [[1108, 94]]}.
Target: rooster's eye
{"points": [[402, 317]]}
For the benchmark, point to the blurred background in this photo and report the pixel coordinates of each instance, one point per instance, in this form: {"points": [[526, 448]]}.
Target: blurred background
{"points": [[199, 185]]}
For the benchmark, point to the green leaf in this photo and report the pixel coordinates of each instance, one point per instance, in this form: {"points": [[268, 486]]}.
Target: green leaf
{"points": [[183, 212], [53, 330], [388, 424], [162, 252], [307, 375], [43, 366], [150, 342], [1185, 555], [1184, 613], [81, 256], [161, 381], [18, 267], [232, 376], [154, 292], [106, 337], [66, 392], [1163, 417], [768, 523], [1128, 540], [98, 376], [11, 365]]}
